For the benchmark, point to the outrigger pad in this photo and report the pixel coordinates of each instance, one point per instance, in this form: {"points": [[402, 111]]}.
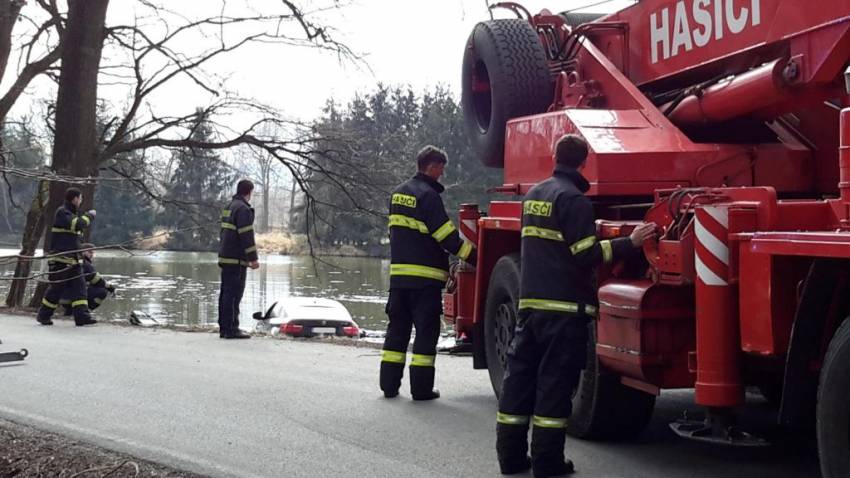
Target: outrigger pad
{"points": [[709, 431]]}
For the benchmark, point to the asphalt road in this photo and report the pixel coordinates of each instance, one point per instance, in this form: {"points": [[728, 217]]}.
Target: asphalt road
{"points": [[266, 407]]}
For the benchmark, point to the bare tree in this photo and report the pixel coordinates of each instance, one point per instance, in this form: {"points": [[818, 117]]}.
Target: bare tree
{"points": [[154, 56], [75, 136]]}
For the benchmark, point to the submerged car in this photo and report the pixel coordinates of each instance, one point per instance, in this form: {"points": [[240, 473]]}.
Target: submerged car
{"points": [[308, 317]]}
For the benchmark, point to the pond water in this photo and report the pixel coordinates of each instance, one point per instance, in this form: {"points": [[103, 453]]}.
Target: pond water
{"points": [[182, 287]]}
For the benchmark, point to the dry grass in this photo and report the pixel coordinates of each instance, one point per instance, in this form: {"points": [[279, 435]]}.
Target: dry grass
{"points": [[282, 243]]}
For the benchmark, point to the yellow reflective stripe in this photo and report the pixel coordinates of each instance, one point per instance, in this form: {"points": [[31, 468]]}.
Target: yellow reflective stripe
{"points": [[227, 225], [444, 231], [512, 419], [542, 233], [251, 249], [418, 271], [408, 222], [229, 261], [583, 245], [225, 213], [74, 223], [555, 306], [49, 304], [78, 303], [548, 422], [465, 250], [59, 229], [97, 278], [65, 260], [419, 360], [86, 219], [393, 356], [245, 229], [607, 252]]}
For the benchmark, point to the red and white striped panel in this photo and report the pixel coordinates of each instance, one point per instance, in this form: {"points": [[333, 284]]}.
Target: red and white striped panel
{"points": [[469, 230], [712, 250]]}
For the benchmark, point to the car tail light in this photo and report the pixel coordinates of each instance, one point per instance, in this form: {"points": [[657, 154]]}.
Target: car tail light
{"points": [[351, 331], [291, 329]]}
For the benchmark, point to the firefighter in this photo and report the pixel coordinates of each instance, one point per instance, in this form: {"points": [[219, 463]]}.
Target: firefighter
{"points": [[237, 252], [66, 268], [557, 300], [98, 288], [421, 237]]}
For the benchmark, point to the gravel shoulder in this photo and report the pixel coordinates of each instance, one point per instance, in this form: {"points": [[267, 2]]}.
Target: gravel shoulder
{"points": [[29, 452]]}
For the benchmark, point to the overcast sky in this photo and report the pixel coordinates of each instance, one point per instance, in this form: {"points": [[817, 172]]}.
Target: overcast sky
{"points": [[409, 42]]}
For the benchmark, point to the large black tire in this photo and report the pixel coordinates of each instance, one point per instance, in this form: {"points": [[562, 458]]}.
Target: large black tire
{"points": [[500, 315], [604, 408], [505, 75], [833, 408]]}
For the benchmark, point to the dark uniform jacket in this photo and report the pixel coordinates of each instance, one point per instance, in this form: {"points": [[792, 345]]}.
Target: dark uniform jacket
{"points": [[93, 278], [67, 230], [422, 235], [559, 246], [237, 234]]}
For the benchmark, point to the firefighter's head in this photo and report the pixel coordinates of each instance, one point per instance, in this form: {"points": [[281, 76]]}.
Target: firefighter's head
{"points": [[74, 196], [571, 151], [244, 188], [431, 161]]}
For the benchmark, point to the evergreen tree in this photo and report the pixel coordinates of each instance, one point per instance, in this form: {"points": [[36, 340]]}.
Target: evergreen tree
{"points": [[22, 151], [123, 211], [197, 192]]}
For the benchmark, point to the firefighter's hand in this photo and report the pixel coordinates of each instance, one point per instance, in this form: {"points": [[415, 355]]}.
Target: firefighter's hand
{"points": [[92, 213], [642, 233], [254, 264]]}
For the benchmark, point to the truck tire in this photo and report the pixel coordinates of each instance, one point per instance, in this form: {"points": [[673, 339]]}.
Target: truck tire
{"points": [[500, 315], [505, 75], [604, 408], [833, 408]]}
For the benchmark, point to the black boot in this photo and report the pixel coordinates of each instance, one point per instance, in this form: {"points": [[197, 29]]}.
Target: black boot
{"points": [[547, 453], [237, 334], [44, 318], [82, 316], [391, 374], [512, 448], [422, 383]]}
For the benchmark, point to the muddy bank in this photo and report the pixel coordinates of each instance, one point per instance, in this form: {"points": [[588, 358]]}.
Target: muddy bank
{"points": [[28, 452]]}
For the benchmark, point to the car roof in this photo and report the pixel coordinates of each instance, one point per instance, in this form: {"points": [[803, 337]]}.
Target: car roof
{"points": [[311, 308]]}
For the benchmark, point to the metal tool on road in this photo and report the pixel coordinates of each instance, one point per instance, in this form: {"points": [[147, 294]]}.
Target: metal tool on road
{"points": [[13, 356]]}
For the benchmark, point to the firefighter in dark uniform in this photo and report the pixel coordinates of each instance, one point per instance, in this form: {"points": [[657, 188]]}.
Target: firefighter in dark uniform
{"points": [[66, 267], [560, 251], [236, 253], [421, 237], [98, 289]]}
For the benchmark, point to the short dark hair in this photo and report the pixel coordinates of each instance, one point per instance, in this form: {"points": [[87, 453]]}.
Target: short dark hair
{"points": [[86, 246], [72, 193], [430, 155], [571, 150], [244, 186]]}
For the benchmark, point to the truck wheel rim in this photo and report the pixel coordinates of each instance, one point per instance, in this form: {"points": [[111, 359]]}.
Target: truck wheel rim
{"points": [[504, 331]]}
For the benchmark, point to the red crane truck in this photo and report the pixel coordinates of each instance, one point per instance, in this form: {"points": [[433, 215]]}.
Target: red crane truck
{"points": [[725, 122]]}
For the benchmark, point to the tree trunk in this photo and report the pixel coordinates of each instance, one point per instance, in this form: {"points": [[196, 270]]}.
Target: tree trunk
{"points": [[29, 243], [74, 146], [9, 11], [291, 220]]}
